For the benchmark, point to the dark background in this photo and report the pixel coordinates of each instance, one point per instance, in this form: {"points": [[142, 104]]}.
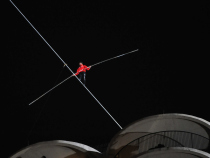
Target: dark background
{"points": [[167, 75]]}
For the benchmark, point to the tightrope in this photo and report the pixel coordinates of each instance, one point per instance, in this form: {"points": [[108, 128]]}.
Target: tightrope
{"points": [[65, 63]]}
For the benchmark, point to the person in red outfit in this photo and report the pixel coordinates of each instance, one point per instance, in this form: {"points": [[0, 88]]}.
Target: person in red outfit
{"points": [[81, 71]]}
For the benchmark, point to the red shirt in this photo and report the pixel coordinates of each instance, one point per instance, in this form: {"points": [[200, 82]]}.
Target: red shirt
{"points": [[82, 68]]}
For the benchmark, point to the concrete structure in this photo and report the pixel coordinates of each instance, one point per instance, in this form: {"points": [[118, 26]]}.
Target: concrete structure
{"points": [[58, 149], [158, 136], [175, 152], [166, 130]]}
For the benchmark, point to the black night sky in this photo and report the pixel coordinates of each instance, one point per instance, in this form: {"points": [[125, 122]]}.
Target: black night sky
{"points": [[167, 75]]}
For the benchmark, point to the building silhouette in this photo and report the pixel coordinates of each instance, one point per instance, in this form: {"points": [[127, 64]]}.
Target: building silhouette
{"points": [[159, 136]]}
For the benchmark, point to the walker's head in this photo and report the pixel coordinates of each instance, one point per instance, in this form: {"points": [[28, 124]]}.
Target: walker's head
{"points": [[80, 63]]}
